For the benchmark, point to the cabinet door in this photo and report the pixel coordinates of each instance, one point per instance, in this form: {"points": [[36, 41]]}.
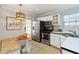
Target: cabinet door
{"points": [[52, 39], [45, 18], [55, 40], [63, 39], [56, 19]]}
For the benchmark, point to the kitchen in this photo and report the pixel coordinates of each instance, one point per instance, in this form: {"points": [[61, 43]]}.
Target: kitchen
{"points": [[51, 25]]}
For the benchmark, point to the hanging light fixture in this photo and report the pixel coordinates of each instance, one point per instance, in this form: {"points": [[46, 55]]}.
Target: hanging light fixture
{"points": [[20, 15]]}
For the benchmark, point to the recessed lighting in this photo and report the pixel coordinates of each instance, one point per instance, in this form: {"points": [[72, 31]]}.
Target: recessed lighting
{"points": [[37, 9]]}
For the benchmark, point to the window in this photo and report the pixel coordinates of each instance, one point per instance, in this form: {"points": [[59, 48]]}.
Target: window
{"points": [[71, 21]]}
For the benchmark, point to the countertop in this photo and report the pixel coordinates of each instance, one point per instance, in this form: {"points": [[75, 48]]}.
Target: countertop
{"points": [[72, 44], [66, 34], [61, 32]]}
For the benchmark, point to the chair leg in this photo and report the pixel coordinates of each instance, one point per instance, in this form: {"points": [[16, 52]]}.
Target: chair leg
{"points": [[21, 49]]}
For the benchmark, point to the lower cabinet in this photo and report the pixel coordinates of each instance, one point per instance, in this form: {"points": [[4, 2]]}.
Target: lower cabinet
{"points": [[56, 40]]}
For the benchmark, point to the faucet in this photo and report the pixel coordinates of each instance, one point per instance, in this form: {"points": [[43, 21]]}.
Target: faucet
{"points": [[74, 32]]}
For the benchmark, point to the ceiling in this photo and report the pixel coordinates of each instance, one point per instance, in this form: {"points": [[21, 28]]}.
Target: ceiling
{"points": [[35, 9]]}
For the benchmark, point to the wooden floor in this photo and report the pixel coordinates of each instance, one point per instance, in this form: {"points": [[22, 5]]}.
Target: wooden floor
{"points": [[40, 48]]}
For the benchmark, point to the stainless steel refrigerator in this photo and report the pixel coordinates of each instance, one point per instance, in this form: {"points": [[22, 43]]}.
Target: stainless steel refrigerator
{"points": [[36, 31]]}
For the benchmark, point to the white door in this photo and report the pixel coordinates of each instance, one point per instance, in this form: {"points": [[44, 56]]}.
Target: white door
{"points": [[29, 34], [29, 27]]}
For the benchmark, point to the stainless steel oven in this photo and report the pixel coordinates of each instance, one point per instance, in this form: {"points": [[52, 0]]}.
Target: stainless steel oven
{"points": [[45, 38]]}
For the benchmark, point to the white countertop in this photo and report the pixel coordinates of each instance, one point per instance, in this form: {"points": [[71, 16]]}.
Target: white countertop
{"points": [[61, 32], [71, 43]]}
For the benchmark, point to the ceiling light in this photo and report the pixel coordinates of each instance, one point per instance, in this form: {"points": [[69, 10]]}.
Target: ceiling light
{"points": [[37, 9], [20, 15]]}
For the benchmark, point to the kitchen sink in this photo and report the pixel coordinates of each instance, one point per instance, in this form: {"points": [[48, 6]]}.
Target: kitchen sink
{"points": [[67, 34]]}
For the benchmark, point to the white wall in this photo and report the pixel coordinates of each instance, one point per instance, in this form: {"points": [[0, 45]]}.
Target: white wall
{"points": [[8, 33]]}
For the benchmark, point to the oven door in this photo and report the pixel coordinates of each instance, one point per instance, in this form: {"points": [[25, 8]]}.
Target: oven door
{"points": [[46, 38]]}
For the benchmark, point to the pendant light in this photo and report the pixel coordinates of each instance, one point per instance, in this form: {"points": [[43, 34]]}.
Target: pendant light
{"points": [[20, 15]]}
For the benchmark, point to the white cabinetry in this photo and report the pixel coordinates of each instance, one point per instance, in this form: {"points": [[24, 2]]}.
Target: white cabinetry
{"points": [[56, 22], [56, 19], [45, 18], [56, 40]]}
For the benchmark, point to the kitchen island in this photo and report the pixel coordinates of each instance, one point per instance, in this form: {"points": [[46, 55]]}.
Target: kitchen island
{"points": [[70, 46]]}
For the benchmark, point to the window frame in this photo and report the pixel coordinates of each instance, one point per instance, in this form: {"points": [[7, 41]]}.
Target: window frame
{"points": [[74, 16]]}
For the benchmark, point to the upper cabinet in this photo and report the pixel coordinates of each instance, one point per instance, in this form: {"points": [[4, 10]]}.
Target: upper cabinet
{"points": [[56, 20], [45, 18]]}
